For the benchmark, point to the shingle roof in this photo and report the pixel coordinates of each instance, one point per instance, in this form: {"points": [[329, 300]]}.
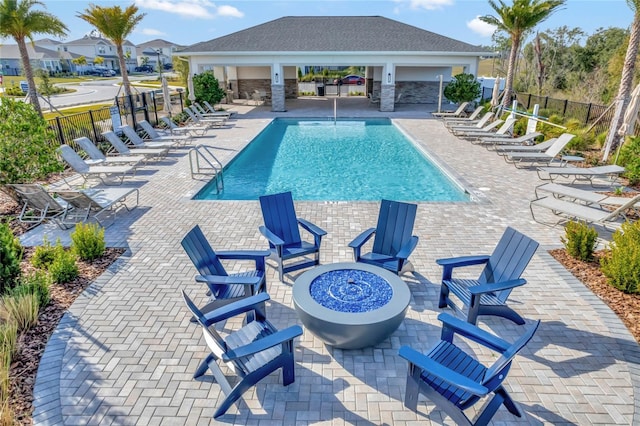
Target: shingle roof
{"points": [[333, 33]]}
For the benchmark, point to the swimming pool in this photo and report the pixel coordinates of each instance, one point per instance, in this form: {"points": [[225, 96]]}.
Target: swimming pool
{"points": [[349, 160]]}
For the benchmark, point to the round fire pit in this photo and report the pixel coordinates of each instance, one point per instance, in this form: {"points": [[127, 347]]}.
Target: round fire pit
{"points": [[350, 305]]}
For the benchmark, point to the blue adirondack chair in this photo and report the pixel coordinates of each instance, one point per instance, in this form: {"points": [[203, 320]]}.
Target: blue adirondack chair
{"points": [[224, 288], [253, 352], [454, 380], [393, 242], [488, 294], [281, 230]]}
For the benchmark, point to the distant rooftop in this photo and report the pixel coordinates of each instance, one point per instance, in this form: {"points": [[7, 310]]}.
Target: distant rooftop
{"points": [[334, 33]]}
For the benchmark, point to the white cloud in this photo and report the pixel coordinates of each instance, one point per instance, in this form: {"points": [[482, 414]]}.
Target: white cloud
{"points": [[203, 9], [229, 11], [152, 32], [430, 4], [481, 27]]}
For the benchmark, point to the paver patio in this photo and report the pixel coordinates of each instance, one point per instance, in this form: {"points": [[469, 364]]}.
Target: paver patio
{"points": [[126, 351]]}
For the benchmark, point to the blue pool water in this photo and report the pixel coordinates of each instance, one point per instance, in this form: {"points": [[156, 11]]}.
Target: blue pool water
{"points": [[349, 160]]}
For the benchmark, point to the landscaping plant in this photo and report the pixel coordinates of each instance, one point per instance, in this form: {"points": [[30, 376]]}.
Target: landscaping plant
{"points": [[630, 160], [463, 88], [622, 262], [88, 241], [43, 255], [207, 88], [580, 240], [63, 268], [36, 283], [10, 257]]}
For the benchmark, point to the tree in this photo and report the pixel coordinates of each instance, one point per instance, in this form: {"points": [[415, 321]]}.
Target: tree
{"points": [[98, 60], [463, 88], [21, 22], [517, 20], [624, 92], [116, 25], [207, 88]]}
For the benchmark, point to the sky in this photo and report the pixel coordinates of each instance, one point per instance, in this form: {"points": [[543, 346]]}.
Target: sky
{"points": [[186, 22]]}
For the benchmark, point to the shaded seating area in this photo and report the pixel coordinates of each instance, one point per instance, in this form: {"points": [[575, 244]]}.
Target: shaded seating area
{"points": [[251, 352], [393, 242], [281, 230], [454, 379], [224, 288], [488, 294]]}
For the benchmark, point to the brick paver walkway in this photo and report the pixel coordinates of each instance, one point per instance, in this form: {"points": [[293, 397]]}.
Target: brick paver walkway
{"points": [[125, 352]]}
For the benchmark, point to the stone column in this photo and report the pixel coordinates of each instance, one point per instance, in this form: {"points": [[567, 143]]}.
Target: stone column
{"points": [[387, 97], [277, 98]]}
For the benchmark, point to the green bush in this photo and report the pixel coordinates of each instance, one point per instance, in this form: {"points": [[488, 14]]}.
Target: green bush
{"points": [[27, 144], [622, 263], [463, 88], [43, 255], [88, 241], [630, 159], [580, 240], [21, 310], [10, 256], [36, 283], [63, 268], [207, 88]]}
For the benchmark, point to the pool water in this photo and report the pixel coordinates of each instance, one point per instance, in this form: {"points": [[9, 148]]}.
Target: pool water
{"points": [[348, 160]]}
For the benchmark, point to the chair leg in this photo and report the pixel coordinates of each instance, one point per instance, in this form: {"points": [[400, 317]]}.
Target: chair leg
{"points": [[204, 365], [288, 369], [412, 389], [444, 295], [508, 402]]}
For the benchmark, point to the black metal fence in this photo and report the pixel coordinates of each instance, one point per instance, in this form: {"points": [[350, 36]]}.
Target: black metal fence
{"points": [[126, 110]]}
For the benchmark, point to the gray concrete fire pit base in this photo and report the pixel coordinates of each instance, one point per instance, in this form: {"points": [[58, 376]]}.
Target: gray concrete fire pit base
{"points": [[351, 330]]}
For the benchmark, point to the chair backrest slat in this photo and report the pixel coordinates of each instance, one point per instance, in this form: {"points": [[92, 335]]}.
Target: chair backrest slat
{"points": [[202, 254], [395, 226], [279, 216], [73, 159], [131, 134], [90, 148], [116, 142], [559, 144], [148, 128]]}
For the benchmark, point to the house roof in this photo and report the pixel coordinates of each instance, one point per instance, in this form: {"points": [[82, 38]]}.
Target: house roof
{"points": [[11, 51], [156, 43], [333, 33]]}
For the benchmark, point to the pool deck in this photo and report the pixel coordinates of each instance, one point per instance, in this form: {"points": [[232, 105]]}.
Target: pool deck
{"points": [[125, 351]]}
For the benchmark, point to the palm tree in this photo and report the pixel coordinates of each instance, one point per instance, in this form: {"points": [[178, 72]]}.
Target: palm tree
{"points": [[626, 80], [116, 25], [517, 20], [21, 22]]}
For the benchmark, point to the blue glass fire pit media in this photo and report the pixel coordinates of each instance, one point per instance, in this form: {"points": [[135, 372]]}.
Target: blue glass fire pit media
{"points": [[348, 290]]}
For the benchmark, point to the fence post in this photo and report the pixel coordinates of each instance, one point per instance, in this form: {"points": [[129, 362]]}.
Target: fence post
{"points": [[145, 106], [155, 106], [93, 126], [132, 110], [588, 113], [60, 134], [529, 101], [564, 110], [546, 100]]}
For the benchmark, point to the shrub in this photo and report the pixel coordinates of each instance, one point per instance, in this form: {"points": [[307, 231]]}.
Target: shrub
{"points": [[630, 159], [21, 310], [207, 88], [622, 263], [8, 341], [36, 283], [63, 268], [10, 256], [27, 144], [463, 88], [580, 240], [43, 255], [88, 241]]}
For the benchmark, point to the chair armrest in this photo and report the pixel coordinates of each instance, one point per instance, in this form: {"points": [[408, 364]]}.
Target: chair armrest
{"points": [[315, 230], [452, 325], [277, 338], [489, 287], [273, 238], [408, 248], [226, 280], [436, 369], [449, 264], [243, 254], [235, 308], [362, 238]]}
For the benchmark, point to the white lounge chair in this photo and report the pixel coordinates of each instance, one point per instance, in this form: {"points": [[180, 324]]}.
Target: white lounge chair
{"points": [[505, 129], [37, 204], [589, 174], [154, 136], [134, 138], [95, 203], [457, 113], [123, 149], [473, 117], [567, 210], [206, 112], [491, 143], [539, 147], [87, 172], [97, 157], [201, 121], [527, 159], [212, 109], [461, 131], [181, 130], [471, 124]]}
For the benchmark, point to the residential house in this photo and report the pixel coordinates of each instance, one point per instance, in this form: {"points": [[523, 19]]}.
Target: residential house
{"points": [[156, 51]]}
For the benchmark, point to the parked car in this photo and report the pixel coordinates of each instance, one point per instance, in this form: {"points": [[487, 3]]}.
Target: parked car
{"points": [[168, 66], [104, 71], [352, 79], [144, 68]]}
